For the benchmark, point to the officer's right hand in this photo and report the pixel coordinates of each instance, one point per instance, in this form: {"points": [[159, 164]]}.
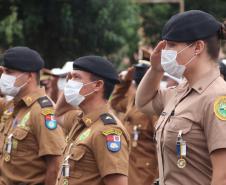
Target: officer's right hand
{"points": [[156, 57]]}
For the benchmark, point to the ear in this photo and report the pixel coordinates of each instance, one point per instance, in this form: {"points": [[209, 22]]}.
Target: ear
{"points": [[99, 85], [199, 47]]}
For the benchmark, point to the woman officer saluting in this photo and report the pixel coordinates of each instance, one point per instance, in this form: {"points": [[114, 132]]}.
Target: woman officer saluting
{"points": [[191, 130]]}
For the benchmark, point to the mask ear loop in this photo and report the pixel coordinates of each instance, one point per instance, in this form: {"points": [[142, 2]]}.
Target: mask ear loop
{"points": [[185, 48], [19, 76], [92, 91]]}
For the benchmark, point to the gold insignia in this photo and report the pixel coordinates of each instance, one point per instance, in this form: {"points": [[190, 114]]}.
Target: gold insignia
{"points": [[67, 139], [47, 111], [88, 121], [112, 131], [7, 113], [65, 182], [7, 158], [15, 143], [181, 163], [28, 99], [220, 107]]}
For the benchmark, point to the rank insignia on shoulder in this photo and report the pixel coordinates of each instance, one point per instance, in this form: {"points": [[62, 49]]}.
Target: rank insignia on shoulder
{"points": [[45, 102], [50, 122], [220, 108], [113, 142], [108, 119]]}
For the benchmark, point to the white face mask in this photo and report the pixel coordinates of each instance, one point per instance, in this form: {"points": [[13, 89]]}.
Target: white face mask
{"points": [[61, 83], [72, 92], [7, 85], [170, 65]]}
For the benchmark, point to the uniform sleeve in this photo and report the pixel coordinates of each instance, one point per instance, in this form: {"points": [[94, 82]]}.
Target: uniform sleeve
{"points": [[110, 162], [119, 98], [69, 119], [214, 128], [50, 141], [157, 104]]}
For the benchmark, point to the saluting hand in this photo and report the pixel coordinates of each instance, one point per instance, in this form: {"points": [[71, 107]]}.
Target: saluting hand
{"points": [[129, 74], [156, 57]]}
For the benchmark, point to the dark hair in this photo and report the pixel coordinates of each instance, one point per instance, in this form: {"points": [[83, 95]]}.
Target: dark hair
{"points": [[223, 69], [213, 43], [108, 85], [38, 77]]}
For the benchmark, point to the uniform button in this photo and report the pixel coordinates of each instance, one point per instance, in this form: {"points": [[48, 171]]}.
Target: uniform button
{"points": [[200, 88], [147, 164]]}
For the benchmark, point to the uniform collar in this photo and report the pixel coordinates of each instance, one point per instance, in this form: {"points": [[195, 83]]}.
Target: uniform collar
{"points": [[201, 85], [92, 117], [32, 97]]}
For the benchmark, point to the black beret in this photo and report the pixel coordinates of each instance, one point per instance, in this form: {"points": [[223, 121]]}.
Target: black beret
{"points": [[97, 66], [141, 66], [23, 59], [190, 26]]}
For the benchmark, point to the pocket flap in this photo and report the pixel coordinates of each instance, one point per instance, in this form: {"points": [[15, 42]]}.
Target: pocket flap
{"points": [[178, 123], [77, 153], [20, 133]]}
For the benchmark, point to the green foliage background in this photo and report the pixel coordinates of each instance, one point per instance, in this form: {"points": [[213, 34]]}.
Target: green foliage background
{"points": [[62, 30]]}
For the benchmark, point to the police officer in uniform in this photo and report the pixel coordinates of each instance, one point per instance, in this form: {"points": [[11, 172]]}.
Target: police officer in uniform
{"points": [[98, 144], [143, 159], [191, 130], [31, 141]]}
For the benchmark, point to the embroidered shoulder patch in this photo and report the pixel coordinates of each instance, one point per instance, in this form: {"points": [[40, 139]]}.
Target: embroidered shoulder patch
{"points": [[107, 119], [113, 139], [45, 102], [220, 108], [50, 122], [46, 111]]}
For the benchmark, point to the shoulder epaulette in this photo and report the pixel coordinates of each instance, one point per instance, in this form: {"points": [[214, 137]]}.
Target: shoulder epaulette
{"points": [[45, 102], [108, 119]]}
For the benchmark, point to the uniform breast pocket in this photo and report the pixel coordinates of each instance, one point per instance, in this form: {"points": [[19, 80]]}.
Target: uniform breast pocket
{"points": [[172, 129], [76, 161], [23, 142]]}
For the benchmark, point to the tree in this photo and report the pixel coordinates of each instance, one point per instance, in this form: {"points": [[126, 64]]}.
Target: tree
{"points": [[62, 30], [156, 15]]}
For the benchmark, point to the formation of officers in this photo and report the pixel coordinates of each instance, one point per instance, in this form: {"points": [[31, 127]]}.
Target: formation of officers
{"points": [[106, 129]]}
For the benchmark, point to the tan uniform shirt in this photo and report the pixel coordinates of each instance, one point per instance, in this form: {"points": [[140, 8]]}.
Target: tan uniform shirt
{"points": [[69, 119], [198, 113], [29, 134], [143, 159], [98, 146]]}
